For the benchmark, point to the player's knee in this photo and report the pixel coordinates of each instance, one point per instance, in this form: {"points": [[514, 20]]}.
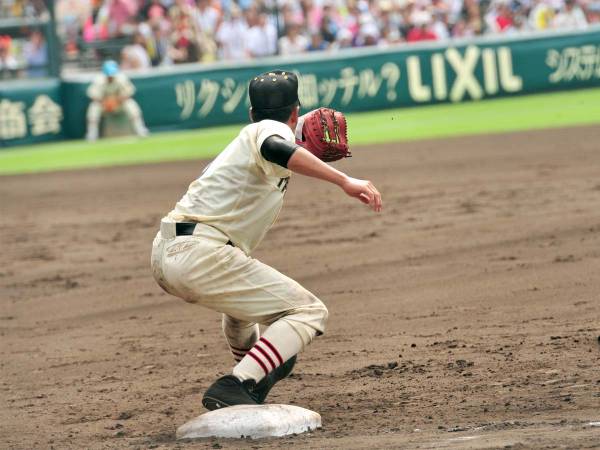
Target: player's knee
{"points": [[231, 323], [323, 312], [132, 109]]}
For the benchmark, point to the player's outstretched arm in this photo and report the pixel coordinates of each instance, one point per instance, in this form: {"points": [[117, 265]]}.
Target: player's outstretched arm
{"points": [[305, 163]]}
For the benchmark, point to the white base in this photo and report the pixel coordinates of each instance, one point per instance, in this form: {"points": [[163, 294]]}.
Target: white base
{"points": [[254, 421]]}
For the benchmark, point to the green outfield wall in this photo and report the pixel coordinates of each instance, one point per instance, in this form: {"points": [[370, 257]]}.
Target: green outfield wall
{"points": [[195, 96], [31, 111]]}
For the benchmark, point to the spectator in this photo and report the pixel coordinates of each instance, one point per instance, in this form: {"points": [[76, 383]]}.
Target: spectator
{"points": [[8, 63], [181, 8], [231, 35], [135, 56], [71, 16], [312, 14], [330, 23], [571, 16], [473, 16], [184, 31], [593, 12], [206, 17], [388, 21], [262, 36], [421, 28], [111, 92], [35, 54], [184, 47], [352, 20], [462, 30], [541, 16], [405, 18], [289, 12], [344, 39], [23, 8], [499, 19], [440, 26], [369, 34], [293, 42], [156, 36], [153, 5], [121, 14], [317, 43]]}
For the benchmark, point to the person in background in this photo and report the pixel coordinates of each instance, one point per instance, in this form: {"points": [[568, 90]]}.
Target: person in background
{"points": [[440, 25], [149, 5], [390, 35], [344, 39], [421, 28], [71, 16], [461, 29], [207, 17], [184, 46], [111, 92], [317, 43], [8, 63], [369, 34], [330, 23], [293, 42], [593, 12], [571, 16], [156, 34], [35, 54], [473, 16], [135, 56], [312, 14], [262, 35], [499, 18], [231, 35], [388, 22], [121, 14], [541, 15]]}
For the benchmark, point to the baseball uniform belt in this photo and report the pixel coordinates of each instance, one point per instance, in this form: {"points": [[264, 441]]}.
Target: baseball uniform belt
{"points": [[187, 229]]}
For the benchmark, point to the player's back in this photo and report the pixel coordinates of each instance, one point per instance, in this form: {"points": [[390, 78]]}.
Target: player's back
{"points": [[240, 193]]}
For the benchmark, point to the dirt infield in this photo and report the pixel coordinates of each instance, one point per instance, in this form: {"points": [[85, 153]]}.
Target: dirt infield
{"points": [[466, 315]]}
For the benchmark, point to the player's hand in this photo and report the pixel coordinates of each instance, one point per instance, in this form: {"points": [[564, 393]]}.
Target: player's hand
{"points": [[111, 104], [363, 190]]}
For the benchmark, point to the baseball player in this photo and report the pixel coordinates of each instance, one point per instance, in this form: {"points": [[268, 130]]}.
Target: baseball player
{"points": [[110, 93], [202, 251]]}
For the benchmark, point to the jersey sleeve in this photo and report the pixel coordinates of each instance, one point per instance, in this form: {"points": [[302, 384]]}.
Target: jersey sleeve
{"points": [[266, 129], [95, 91], [126, 87]]}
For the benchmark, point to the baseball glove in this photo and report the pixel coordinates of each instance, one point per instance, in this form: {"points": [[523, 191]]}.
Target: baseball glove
{"points": [[323, 133], [110, 104]]}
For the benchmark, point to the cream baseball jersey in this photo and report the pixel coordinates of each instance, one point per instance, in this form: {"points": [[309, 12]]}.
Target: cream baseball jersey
{"points": [[240, 193], [101, 88]]}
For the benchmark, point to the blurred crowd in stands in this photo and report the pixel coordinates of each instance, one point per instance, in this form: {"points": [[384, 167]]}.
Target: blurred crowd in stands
{"points": [[162, 32]]}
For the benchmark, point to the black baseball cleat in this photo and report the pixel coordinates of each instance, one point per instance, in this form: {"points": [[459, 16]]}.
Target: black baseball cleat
{"points": [[264, 386], [229, 391]]}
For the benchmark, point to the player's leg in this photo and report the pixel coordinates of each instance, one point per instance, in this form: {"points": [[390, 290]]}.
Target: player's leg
{"points": [[94, 113], [240, 335], [134, 113], [248, 290], [224, 279]]}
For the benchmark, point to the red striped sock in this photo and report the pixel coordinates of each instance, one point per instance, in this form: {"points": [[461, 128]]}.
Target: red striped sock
{"points": [[278, 344], [238, 353], [261, 359]]}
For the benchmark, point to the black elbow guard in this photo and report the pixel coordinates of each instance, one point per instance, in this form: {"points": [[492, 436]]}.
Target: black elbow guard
{"points": [[277, 150]]}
